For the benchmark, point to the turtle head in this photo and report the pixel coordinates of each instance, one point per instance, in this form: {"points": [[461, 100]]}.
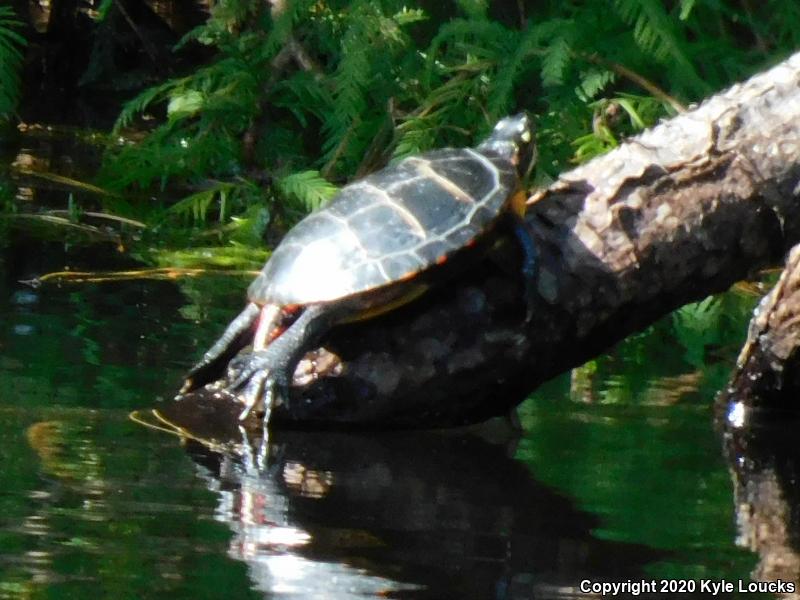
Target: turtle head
{"points": [[512, 139]]}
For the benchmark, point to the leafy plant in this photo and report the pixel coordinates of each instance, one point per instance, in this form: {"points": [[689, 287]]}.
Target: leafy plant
{"points": [[10, 61], [306, 94]]}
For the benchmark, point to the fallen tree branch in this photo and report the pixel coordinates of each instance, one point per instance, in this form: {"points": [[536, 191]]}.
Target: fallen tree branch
{"points": [[768, 368], [679, 212], [763, 463]]}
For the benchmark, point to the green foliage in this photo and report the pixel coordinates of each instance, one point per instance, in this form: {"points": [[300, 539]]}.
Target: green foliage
{"points": [[307, 188], [10, 61], [684, 357], [102, 10], [654, 30], [7, 189], [310, 93], [613, 119], [196, 206], [705, 326], [234, 256]]}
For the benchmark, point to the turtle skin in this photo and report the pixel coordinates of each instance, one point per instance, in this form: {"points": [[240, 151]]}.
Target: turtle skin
{"points": [[365, 252]]}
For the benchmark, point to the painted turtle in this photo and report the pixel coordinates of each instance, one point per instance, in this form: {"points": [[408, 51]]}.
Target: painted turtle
{"points": [[367, 251]]}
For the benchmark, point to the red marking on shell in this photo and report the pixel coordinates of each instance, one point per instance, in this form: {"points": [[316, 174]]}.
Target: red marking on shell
{"points": [[441, 260]]}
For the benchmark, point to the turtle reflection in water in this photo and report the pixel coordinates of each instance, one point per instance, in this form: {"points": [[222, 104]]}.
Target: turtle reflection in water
{"points": [[378, 244]]}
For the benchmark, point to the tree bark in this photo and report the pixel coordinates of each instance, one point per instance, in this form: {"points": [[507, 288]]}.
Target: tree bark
{"points": [[768, 368], [682, 211], [764, 467]]}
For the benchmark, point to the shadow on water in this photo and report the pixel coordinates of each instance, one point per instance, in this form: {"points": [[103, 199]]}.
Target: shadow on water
{"points": [[412, 515]]}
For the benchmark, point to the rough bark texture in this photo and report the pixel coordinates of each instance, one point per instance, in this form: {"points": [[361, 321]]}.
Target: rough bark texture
{"points": [[764, 466], [682, 211], [768, 369]]}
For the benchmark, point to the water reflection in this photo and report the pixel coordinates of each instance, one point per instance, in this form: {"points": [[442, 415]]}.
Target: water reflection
{"points": [[92, 501], [765, 464], [412, 514]]}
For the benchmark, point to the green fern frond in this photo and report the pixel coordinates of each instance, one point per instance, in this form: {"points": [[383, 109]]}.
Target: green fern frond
{"points": [[555, 60], [407, 16], [224, 28], [8, 36], [204, 34], [10, 61], [520, 64], [227, 197], [655, 33], [415, 135], [593, 82], [460, 32], [142, 102], [308, 188], [352, 76], [303, 94], [195, 207], [231, 15], [365, 83], [697, 326], [248, 228], [171, 152], [509, 70], [350, 84], [282, 27], [373, 86]]}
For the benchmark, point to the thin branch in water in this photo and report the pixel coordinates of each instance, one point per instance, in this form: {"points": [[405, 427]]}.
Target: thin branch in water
{"points": [[99, 215], [63, 180], [170, 273], [89, 230]]}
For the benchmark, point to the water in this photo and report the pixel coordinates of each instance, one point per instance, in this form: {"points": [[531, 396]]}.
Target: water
{"points": [[602, 485], [618, 475]]}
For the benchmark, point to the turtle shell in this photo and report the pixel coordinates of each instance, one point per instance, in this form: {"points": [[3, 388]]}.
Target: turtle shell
{"points": [[388, 227]]}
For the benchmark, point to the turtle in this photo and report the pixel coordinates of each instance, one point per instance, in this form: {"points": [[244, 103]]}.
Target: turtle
{"points": [[379, 243]]}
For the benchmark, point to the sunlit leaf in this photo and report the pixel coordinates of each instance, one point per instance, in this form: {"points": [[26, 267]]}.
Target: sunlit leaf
{"points": [[185, 104]]}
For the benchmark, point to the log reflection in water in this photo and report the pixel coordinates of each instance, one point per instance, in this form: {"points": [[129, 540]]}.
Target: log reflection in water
{"points": [[764, 460], [404, 514]]}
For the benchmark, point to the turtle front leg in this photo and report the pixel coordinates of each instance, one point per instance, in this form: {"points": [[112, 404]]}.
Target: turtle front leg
{"points": [[236, 336], [264, 376]]}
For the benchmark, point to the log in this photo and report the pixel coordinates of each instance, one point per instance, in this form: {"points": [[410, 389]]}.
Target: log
{"points": [[679, 212], [768, 368], [765, 472]]}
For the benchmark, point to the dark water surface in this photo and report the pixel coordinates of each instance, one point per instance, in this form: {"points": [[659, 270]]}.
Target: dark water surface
{"points": [[618, 475]]}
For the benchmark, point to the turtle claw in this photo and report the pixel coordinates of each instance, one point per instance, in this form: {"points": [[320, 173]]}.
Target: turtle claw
{"points": [[259, 381], [255, 390]]}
